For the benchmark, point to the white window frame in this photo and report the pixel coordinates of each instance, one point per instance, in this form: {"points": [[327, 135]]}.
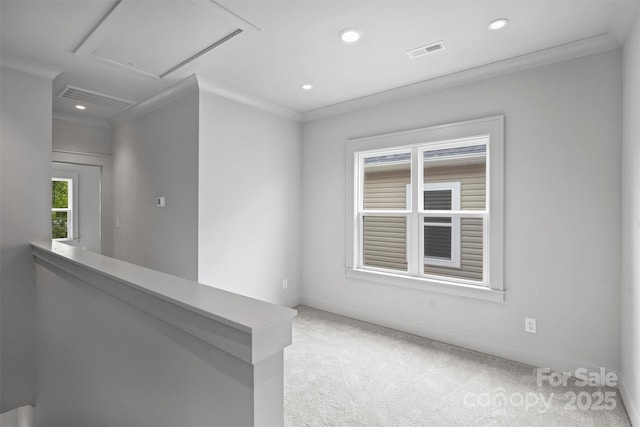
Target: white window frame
{"points": [[72, 209], [489, 130], [361, 212], [456, 239]]}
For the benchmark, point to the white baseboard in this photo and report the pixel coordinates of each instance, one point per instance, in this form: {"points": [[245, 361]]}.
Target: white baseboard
{"points": [[293, 302], [19, 417], [481, 345], [629, 403]]}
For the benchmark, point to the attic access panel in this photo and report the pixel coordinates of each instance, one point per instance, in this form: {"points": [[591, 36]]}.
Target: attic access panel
{"points": [[157, 38]]}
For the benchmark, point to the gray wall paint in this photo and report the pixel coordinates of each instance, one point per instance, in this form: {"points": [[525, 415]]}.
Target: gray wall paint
{"points": [[157, 155], [25, 199], [250, 201], [562, 210], [82, 138], [88, 204], [630, 352], [102, 362]]}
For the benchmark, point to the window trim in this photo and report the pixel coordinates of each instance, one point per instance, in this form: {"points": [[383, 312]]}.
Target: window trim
{"points": [[72, 177], [491, 128]]}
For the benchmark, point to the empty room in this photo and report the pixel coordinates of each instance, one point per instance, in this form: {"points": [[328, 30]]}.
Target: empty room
{"points": [[319, 212]]}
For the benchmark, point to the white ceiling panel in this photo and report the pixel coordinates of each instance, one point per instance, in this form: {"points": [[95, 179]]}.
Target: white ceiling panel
{"points": [[156, 39]]}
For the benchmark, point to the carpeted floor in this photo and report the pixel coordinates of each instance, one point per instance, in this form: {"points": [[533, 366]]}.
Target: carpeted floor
{"points": [[343, 372]]}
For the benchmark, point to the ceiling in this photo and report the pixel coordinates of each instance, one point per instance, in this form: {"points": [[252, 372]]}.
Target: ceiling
{"points": [[132, 49]]}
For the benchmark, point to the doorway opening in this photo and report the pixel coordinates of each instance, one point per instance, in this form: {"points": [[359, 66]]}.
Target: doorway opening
{"points": [[76, 205]]}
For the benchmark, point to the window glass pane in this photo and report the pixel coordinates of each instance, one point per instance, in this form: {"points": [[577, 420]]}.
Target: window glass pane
{"points": [[466, 165], [385, 242], [59, 194], [470, 249], [437, 241], [386, 179], [59, 222]]}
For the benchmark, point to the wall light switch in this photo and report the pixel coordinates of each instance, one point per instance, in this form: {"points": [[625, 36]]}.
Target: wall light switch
{"points": [[160, 202]]}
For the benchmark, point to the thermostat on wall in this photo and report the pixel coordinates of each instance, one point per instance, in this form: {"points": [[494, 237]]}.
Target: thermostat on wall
{"points": [[160, 202]]}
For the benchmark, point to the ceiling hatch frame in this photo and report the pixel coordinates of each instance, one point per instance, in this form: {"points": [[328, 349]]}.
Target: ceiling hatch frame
{"points": [[116, 17]]}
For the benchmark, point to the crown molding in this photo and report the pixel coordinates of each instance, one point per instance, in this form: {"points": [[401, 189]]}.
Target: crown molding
{"points": [[90, 121], [564, 52], [29, 66], [247, 99], [79, 153], [192, 83], [166, 96]]}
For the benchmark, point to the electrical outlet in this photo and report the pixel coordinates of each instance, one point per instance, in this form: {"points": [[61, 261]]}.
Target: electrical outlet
{"points": [[285, 284], [530, 325]]}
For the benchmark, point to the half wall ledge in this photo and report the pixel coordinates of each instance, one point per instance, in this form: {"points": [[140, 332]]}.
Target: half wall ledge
{"points": [[120, 344], [247, 328]]}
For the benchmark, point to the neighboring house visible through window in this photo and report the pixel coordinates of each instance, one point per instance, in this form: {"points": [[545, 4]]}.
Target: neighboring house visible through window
{"points": [[64, 224], [442, 234], [422, 212]]}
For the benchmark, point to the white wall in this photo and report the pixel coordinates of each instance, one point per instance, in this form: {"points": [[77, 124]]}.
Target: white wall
{"points": [[81, 138], [89, 217], [157, 155], [23, 416], [119, 345], [25, 199], [562, 213], [250, 201], [630, 350]]}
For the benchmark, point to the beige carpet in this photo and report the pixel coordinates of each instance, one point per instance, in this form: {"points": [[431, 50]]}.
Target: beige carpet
{"points": [[342, 372]]}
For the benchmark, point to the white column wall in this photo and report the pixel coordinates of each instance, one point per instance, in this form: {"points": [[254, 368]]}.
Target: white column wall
{"points": [[157, 155], [630, 292], [25, 206], [249, 201]]}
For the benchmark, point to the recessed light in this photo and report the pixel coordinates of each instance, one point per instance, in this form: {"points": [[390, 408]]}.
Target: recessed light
{"points": [[81, 107], [350, 35], [498, 24], [307, 87]]}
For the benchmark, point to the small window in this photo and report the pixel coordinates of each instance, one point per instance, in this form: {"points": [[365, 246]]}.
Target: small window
{"points": [[420, 206], [63, 210], [442, 233]]}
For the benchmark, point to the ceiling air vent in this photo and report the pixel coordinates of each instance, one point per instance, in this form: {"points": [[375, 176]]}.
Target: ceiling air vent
{"points": [[425, 50], [95, 98]]}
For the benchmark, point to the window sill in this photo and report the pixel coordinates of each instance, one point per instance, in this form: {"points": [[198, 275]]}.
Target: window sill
{"points": [[72, 242], [475, 292]]}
